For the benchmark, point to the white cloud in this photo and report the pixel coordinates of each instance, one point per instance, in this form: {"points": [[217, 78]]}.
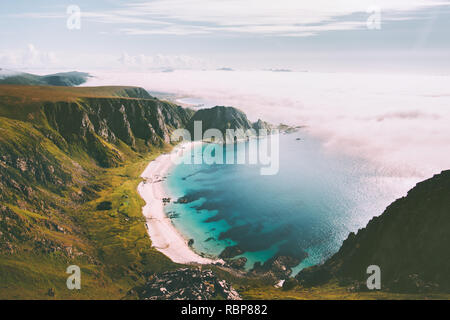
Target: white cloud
{"points": [[285, 17], [120, 18], [397, 122], [161, 61], [171, 30], [263, 17], [33, 58], [30, 57]]}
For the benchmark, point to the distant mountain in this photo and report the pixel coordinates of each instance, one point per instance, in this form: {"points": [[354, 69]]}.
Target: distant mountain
{"points": [[410, 243], [223, 118], [225, 69], [65, 79], [280, 70]]}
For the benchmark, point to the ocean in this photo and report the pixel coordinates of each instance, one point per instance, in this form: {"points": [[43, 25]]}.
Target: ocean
{"points": [[308, 207]]}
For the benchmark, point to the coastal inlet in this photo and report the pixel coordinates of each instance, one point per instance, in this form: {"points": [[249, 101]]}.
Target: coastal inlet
{"points": [[297, 218]]}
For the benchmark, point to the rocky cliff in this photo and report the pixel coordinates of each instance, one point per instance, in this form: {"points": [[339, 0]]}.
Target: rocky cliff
{"points": [[96, 124], [223, 118], [409, 242]]}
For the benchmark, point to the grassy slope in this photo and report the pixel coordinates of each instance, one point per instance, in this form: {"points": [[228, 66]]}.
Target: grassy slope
{"points": [[117, 237], [330, 291], [116, 251], [58, 79], [20, 95]]}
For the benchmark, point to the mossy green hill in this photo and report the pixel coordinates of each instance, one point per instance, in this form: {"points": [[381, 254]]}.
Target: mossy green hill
{"points": [[67, 79], [63, 151]]}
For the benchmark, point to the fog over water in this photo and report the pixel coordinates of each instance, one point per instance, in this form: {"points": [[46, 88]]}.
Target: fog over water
{"points": [[398, 122]]}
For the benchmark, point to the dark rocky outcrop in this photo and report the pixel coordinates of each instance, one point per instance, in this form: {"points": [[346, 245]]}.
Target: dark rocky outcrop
{"points": [[223, 118], [262, 125], [409, 242], [238, 263], [231, 252], [220, 118], [186, 284], [277, 267], [104, 205]]}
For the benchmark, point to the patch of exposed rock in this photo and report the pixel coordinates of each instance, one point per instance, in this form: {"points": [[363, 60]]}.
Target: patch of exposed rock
{"points": [[278, 267], [238, 263], [186, 284], [231, 252]]}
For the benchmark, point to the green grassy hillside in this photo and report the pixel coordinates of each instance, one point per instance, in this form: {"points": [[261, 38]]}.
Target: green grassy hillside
{"points": [[52, 182], [66, 79]]}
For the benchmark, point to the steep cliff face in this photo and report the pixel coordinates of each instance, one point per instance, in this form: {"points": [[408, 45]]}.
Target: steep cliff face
{"points": [[139, 123], [220, 118], [409, 242], [223, 118], [262, 125], [96, 124]]}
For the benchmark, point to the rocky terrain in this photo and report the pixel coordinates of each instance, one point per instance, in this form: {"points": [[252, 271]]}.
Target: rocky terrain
{"points": [[223, 118], [409, 242], [186, 284], [279, 267]]}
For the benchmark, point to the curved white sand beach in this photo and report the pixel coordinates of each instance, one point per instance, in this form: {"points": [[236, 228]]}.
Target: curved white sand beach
{"points": [[165, 237]]}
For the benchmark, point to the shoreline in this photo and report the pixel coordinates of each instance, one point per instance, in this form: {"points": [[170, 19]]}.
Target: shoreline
{"points": [[163, 234]]}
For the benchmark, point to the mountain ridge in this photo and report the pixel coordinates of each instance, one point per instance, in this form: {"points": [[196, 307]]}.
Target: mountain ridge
{"points": [[225, 118]]}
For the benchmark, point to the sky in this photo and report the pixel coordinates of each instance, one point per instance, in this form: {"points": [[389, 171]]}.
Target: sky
{"points": [[320, 35], [371, 78]]}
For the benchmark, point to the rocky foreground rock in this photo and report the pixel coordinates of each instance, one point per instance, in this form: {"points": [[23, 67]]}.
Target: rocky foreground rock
{"points": [[186, 284]]}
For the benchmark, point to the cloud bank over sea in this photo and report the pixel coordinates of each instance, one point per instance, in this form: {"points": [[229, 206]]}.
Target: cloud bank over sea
{"points": [[400, 123]]}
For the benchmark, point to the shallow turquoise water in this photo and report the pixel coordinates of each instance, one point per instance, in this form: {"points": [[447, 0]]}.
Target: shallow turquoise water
{"points": [[310, 206]]}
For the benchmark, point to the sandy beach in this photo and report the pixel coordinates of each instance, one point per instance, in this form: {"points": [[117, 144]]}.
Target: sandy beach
{"points": [[165, 237]]}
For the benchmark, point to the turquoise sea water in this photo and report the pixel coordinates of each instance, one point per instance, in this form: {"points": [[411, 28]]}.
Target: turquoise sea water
{"points": [[310, 206]]}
